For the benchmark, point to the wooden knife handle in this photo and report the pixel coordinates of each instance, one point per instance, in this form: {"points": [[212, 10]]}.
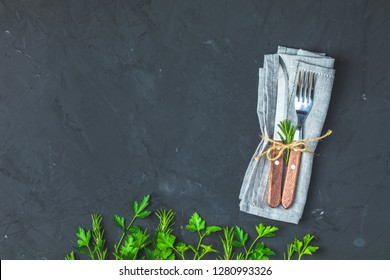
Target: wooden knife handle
{"points": [[290, 182], [275, 181]]}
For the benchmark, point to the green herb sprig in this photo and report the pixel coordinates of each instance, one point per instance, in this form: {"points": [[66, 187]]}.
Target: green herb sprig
{"points": [[198, 225], [136, 244], [136, 239], [91, 243], [286, 134], [164, 241], [256, 250], [300, 248], [227, 244]]}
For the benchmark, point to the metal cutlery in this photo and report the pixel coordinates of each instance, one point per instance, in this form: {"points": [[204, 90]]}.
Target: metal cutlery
{"points": [[303, 104], [276, 167]]}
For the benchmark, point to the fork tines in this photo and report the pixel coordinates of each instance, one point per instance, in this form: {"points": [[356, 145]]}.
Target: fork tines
{"points": [[305, 86]]}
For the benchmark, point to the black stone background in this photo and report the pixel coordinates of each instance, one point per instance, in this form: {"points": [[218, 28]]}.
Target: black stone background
{"points": [[102, 102]]}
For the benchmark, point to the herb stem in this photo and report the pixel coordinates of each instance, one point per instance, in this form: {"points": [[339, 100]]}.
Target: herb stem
{"points": [[91, 254], [202, 255], [177, 252], [125, 232], [196, 256], [250, 248]]}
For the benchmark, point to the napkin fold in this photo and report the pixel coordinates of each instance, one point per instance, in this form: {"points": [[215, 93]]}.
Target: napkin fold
{"points": [[280, 71]]}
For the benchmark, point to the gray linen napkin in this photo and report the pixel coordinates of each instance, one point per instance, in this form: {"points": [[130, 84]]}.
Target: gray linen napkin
{"points": [[280, 70]]}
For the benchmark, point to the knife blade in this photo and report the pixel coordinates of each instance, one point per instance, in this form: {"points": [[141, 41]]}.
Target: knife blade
{"points": [[276, 167]]}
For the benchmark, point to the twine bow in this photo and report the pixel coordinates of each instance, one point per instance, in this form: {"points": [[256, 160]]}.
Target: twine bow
{"points": [[300, 146]]}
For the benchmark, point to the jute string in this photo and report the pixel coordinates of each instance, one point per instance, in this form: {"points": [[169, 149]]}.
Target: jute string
{"points": [[300, 146]]}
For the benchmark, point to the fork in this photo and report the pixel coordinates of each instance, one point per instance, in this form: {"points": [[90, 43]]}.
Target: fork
{"points": [[303, 104]]}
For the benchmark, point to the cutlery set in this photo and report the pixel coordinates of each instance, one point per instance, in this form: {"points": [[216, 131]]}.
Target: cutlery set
{"points": [[294, 93], [303, 102]]}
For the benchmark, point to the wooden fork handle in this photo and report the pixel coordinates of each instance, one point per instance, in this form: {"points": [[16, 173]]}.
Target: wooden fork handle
{"points": [[275, 180], [290, 182]]}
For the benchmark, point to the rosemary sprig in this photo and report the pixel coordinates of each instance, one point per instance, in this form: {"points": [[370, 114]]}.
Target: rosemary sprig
{"points": [[286, 134], [91, 242], [165, 220], [227, 243]]}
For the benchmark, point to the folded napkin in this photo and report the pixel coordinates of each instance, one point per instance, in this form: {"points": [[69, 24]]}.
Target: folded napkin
{"points": [[277, 84]]}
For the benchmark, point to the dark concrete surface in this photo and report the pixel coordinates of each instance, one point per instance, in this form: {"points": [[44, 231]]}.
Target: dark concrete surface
{"points": [[102, 102]]}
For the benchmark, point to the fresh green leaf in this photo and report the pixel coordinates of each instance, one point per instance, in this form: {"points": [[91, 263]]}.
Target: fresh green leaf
{"points": [[84, 237], [196, 223], [150, 254], [207, 248], [141, 238], [268, 252], [138, 207], [129, 250], [144, 214], [261, 252], [181, 247], [267, 231], [165, 240], [211, 229], [307, 239], [166, 254], [171, 257], [298, 245], [134, 207], [309, 250], [133, 230], [129, 242], [119, 221], [165, 245], [241, 237], [70, 256]]}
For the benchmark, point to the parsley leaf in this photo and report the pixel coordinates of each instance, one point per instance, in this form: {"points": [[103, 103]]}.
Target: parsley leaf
{"points": [[267, 231], [84, 237], [119, 221], [196, 223], [139, 207], [212, 229], [300, 248], [241, 237]]}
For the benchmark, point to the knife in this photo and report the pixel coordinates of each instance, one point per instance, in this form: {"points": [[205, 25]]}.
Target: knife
{"points": [[303, 105], [276, 167]]}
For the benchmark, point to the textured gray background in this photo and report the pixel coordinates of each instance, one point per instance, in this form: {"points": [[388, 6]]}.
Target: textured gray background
{"points": [[102, 102]]}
